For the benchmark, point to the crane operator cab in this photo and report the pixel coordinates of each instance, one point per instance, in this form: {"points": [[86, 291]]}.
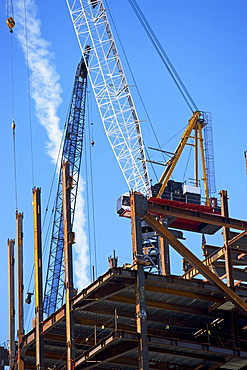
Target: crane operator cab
{"points": [[180, 196], [123, 205]]}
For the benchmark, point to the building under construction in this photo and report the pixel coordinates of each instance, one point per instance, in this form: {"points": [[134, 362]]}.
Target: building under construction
{"points": [[130, 318], [139, 315]]}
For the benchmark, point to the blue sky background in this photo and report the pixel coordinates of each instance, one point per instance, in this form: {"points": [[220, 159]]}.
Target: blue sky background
{"points": [[207, 43]]}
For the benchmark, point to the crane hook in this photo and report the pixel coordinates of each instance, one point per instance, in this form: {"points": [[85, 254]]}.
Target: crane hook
{"points": [[13, 125], [10, 23]]}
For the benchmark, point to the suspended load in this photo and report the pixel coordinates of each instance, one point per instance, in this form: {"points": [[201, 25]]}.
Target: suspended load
{"points": [[11, 23]]}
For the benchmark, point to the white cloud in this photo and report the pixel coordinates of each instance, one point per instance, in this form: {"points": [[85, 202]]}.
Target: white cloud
{"points": [[46, 92]]}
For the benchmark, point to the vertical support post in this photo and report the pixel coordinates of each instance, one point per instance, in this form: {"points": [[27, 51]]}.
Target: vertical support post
{"points": [[20, 331], [196, 156], [11, 265], [226, 235], [228, 265], [164, 257], [138, 205], [67, 184], [38, 278]]}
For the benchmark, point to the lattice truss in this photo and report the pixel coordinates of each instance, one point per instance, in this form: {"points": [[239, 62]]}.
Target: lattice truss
{"points": [[72, 153], [209, 153], [111, 90]]}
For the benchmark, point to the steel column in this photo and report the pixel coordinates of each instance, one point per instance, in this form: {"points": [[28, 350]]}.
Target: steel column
{"points": [[11, 264], [226, 235], [164, 257], [136, 201], [38, 278], [67, 184], [228, 264], [20, 331]]}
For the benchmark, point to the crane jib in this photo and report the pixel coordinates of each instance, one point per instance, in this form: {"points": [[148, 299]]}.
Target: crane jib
{"points": [[72, 153], [111, 90]]}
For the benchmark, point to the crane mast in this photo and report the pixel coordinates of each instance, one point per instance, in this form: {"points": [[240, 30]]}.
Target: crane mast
{"points": [[72, 153], [111, 91]]}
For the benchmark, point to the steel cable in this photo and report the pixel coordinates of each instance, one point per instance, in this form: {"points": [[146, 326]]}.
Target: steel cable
{"points": [[161, 52]]}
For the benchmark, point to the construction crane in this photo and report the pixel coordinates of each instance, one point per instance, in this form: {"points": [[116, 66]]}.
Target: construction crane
{"points": [[198, 122], [119, 119], [118, 113], [72, 153], [111, 90], [116, 105]]}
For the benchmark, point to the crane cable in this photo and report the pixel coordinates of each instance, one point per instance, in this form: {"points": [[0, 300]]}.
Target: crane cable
{"points": [[10, 12], [89, 175], [10, 15], [15, 174], [29, 94], [164, 57]]}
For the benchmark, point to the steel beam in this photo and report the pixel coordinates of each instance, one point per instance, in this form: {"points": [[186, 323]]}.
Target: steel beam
{"points": [[210, 218], [204, 270], [11, 269], [207, 262], [38, 279], [137, 204], [194, 261], [163, 305], [68, 265], [226, 235], [164, 259], [219, 253], [20, 332]]}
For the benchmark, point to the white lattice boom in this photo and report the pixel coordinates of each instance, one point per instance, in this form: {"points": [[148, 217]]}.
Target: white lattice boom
{"points": [[111, 90]]}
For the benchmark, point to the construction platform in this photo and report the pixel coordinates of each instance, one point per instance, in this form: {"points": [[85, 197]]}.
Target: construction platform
{"points": [[188, 324], [130, 318]]}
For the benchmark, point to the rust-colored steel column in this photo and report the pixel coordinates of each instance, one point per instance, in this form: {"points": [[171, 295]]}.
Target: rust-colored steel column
{"points": [[137, 204], [38, 279], [228, 265], [11, 265], [226, 235], [164, 255], [20, 331], [67, 183]]}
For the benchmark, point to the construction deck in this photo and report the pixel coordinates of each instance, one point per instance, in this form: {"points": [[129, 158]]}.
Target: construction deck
{"points": [[188, 324]]}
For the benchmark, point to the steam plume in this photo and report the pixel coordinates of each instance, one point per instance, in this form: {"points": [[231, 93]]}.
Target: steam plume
{"points": [[46, 93]]}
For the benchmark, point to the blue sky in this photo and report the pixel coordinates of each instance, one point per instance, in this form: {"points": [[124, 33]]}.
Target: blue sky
{"points": [[207, 43]]}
